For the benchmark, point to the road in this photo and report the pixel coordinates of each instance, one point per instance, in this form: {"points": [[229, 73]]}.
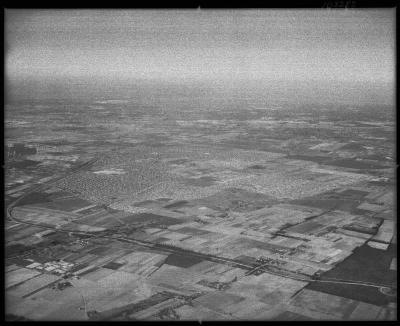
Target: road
{"points": [[168, 248], [48, 184]]}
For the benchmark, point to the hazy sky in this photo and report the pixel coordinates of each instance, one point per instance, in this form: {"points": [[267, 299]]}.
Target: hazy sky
{"points": [[300, 45]]}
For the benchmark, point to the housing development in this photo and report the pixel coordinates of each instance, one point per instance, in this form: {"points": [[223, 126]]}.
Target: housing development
{"points": [[200, 165], [168, 225]]}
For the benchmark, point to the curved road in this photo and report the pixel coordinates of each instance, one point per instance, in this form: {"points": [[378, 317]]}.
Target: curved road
{"points": [[168, 248], [47, 184]]}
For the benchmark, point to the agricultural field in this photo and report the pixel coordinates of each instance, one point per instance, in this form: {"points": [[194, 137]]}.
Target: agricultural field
{"points": [[146, 198], [239, 236]]}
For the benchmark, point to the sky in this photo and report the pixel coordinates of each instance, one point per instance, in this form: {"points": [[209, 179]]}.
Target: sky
{"points": [[303, 46]]}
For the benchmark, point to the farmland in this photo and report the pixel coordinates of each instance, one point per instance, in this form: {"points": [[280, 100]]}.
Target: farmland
{"points": [[198, 217]]}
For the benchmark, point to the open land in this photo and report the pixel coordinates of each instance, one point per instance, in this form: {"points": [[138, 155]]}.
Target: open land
{"points": [[118, 210]]}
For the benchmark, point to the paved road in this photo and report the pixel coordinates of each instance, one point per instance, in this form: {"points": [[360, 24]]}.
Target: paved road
{"points": [[171, 249], [47, 184]]}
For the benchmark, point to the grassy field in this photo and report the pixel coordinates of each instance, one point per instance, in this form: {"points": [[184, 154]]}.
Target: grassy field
{"points": [[361, 266]]}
